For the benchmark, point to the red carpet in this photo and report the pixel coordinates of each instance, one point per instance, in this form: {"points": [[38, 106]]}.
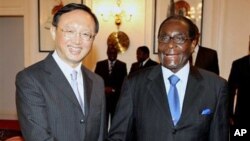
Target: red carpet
{"points": [[9, 124]]}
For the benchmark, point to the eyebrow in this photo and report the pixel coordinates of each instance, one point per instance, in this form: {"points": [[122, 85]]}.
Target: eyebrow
{"points": [[173, 33]]}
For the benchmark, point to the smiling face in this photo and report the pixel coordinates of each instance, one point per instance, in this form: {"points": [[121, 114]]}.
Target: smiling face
{"points": [[70, 36], [174, 44]]}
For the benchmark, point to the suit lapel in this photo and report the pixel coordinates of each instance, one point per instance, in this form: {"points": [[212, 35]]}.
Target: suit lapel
{"points": [[158, 92], [148, 63], [88, 86], [57, 78], [191, 95]]}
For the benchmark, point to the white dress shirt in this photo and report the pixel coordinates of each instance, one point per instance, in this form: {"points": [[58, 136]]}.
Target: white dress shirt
{"points": [[67, 70], [145, 61], [181, 86]]}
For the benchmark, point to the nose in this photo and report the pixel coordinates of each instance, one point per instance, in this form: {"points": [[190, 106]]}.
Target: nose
{"points": [[171, 44], [77, 38]]}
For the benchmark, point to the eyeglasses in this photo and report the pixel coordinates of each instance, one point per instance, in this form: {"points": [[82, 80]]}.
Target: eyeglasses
{"points": [[70, 33], [178, 38]]}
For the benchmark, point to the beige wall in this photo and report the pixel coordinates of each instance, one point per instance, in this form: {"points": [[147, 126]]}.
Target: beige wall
{"points": [[226, 28], [135, 29], [11, 61], [138, 29]]}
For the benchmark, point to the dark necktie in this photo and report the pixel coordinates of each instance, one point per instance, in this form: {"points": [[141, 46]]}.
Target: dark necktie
{"points": [[140, 65], [173, 99]]}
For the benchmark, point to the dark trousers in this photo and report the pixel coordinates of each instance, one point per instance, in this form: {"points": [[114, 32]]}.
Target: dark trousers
{"points": [[111, 102]]}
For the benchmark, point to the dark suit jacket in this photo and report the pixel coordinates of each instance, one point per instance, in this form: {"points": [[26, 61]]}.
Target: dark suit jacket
{"points": [[136, 65], [239, 80], [143, 108], [48, 109], [115, 79], [207, 59]]}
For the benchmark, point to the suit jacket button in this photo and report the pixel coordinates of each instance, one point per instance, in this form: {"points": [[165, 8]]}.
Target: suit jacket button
{"points": [[81, 121], [174, 131]]}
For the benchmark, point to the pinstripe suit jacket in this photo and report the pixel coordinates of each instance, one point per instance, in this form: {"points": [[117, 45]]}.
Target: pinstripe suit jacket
{"points": [[48, 109], [143, 109]]}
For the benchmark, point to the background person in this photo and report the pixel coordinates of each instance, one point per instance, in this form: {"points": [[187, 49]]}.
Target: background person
{"points": [[143, 59], [113, 72], [239, 82], [205, 58]]}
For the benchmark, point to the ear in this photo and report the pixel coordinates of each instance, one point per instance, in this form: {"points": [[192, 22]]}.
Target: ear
{"points": [[53, 32], [193, 45]]}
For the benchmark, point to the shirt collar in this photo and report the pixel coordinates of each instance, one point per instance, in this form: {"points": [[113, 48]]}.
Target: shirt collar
{"points": [[182, 74], [145, 61], [196, 48], [64, 66]]}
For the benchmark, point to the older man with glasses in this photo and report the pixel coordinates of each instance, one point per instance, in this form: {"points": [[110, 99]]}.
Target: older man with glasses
{"points": [[173, 101]]}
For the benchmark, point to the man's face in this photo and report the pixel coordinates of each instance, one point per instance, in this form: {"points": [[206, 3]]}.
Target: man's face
{"points": [[140, 55], [112, 53], [174, 45], [74, 36]]}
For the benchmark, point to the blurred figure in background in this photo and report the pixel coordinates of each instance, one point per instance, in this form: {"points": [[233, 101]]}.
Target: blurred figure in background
{"points": [[113, 72], [143, 59], [239, 90], [205, 58]]}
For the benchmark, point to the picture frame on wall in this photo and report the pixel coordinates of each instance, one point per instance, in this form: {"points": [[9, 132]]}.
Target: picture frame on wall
{"points": [[193, 9], [46, 10]]}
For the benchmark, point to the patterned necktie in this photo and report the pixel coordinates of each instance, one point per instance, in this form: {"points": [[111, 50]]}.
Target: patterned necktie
{"points": [[111, 65], [141, 65], [173, 99], [74, 86]]}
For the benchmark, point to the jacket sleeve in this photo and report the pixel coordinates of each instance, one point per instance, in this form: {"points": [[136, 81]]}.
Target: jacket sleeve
{"points": [[31, 109], [219, 129]]}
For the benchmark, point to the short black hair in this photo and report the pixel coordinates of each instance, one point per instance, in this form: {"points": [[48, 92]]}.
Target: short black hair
{"points": [[74, 6], [192, 28], [144, 49]]}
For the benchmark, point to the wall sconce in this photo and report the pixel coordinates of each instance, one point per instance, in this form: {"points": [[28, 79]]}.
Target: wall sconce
{"points": [[120, 13], [117, 12]]}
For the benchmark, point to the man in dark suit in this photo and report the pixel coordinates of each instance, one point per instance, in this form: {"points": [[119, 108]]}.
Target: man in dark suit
{"points": [[239, 82], [205, 58], [113, 72], [143, 60], [58, 99], [173, 101]]}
